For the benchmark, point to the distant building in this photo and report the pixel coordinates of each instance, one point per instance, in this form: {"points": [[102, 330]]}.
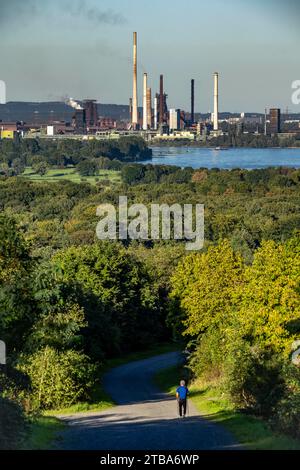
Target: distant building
{"points": [[8, 130], [107, 123], [4, 134], [91, 113], [174, 119], [50, 131], [79, 121], [275, 127]]}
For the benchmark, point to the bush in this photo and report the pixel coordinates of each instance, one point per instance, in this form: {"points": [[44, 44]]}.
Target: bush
{"points": [[254, 379], [14, 386], [287, 416], [58, 379]]}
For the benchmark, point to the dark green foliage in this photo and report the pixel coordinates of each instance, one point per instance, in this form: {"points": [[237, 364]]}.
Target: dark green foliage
{"points": [[71, 152], [87, 168], [255, 380], [16, 301], [113, 288], [137, 173]]}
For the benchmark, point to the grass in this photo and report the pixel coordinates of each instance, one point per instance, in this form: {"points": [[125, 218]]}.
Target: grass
{"points": [[42, 432], [99, 401], [253, 433], [70, 174]]}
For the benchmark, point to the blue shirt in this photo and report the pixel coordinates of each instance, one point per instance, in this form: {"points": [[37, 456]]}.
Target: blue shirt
{"points": [[182, 392]]}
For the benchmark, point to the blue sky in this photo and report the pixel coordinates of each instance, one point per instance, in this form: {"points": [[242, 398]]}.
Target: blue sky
{"points": [[52, 49]]}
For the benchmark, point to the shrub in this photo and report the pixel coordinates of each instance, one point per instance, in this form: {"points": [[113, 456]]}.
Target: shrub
{"points": [[287, 416], [254, 379], [58, 379]]}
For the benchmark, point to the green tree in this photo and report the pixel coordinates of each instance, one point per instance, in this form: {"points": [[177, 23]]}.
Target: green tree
{"points": [[16, 299], [87, 168]]}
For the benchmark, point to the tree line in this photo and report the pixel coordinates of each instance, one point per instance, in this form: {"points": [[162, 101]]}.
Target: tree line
{"points": [[41, 154]]}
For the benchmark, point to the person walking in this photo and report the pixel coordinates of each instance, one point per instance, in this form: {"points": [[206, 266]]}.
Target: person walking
{"points": [[181, 395]]}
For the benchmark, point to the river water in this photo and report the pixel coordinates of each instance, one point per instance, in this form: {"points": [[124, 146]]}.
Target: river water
{"points": [[246, 158]]}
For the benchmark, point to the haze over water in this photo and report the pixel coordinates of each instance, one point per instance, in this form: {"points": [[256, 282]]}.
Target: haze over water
{"points": [[245, 158]]}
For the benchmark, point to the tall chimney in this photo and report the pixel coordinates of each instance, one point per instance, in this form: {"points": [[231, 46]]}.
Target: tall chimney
{"points": [[161, 100], [130, 109], [134, 96], [149, 108], [192, 101], [145, 107], [155, 112], [216, 101]]}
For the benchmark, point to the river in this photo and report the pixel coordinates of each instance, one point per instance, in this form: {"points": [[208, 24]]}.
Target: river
{"points": [[246, 158]]}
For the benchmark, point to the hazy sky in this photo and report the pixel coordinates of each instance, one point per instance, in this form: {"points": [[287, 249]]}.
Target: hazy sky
{"points": [[83, 49]]}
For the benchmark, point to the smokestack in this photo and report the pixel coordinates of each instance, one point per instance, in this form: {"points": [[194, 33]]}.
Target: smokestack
{"points": [[145, 107], [134, 96], [149, 108], [155, 113], [192, 101], [265, 124], [161, 100], [130, 109], [216, 101]]}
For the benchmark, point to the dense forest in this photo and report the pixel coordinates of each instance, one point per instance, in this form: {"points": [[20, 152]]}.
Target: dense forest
{"points": [[69, 302], [41, 154]]}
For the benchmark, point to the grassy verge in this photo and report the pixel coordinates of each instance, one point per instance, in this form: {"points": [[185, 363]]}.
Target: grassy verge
{"points": [[251, 432], [70, 174], [99, 401], [41, 432]]}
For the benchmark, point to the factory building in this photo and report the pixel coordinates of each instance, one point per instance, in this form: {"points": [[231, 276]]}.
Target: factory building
{"points": [[275, 116], [79, 121], [91, 113], [174, 119], [162, 107]]}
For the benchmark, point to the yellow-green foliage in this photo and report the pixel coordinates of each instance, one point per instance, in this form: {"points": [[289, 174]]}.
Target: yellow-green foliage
{"points": [[269, 303], [58, 379], [243, 321], [206, 285]]}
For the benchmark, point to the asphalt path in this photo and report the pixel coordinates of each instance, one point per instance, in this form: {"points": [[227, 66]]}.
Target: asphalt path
{"points": [[144, 418]]}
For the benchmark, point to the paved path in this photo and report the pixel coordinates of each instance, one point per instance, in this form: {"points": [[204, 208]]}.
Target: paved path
{"points": [[144, 419]]}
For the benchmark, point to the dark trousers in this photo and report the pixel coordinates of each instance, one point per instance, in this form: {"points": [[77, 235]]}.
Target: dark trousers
{"points": [[182, 407]]}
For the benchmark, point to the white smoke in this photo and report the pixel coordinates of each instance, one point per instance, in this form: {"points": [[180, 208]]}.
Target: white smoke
{"points": [[74, 104]]}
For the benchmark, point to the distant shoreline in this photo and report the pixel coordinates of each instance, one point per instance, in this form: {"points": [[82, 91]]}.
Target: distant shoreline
{"points": [[171, 144]]}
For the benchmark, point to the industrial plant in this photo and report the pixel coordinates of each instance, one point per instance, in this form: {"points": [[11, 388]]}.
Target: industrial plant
{"points": [[154, 120]]}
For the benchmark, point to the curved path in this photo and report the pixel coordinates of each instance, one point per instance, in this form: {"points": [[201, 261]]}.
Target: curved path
{"points": [[144, 419]]}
